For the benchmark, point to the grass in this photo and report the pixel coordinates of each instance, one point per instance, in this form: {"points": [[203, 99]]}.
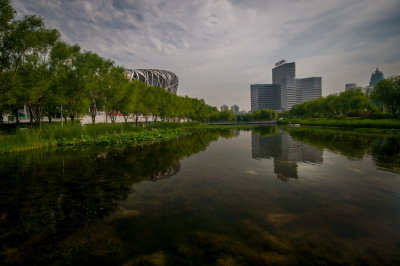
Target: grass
{"points": [[353, 123], [98, 134]]}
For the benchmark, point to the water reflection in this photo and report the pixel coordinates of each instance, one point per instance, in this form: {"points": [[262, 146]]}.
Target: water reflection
{"points": [[49, 196], [120, 206], [285, 151], [384, 149]]}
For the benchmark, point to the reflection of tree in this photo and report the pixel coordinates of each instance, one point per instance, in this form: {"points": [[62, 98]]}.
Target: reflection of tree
{"points": [[171, 171], [386, 153], [266, 131], [348, 143], [354, 145], [47, 195], [285, 151]]}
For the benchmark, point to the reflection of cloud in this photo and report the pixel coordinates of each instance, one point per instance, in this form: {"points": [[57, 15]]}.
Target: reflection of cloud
{"points": [[251, 172], [357, 170], [208, 38]]}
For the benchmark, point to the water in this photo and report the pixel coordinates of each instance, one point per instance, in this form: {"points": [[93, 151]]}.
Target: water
{"points": [[259, 197]]}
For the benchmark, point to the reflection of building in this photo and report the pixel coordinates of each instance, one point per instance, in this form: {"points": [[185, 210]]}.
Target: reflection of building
{"points": [[154, 77], [376, 77], [285, 151]]}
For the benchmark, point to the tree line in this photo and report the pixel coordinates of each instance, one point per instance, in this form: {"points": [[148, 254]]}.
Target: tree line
{"points": [[53, 78], [384, 97]]}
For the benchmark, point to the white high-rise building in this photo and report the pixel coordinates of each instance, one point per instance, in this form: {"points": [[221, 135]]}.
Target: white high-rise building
{"points": [[224, 107], [235, 109], [284, 75], [308, 89], [286, 90]]}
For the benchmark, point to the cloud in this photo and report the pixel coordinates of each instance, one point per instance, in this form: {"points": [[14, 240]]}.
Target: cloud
{"points": [[219, 47]]}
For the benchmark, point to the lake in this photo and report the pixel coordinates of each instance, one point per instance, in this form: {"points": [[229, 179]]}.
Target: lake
{"points": [[285, 196]]}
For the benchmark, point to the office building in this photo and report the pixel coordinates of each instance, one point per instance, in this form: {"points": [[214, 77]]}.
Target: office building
{"points": [[224, 107], [308, 89], [285, 88], [284, 75], [235, 109], [350, 86], [376, 77], [265, 96]]}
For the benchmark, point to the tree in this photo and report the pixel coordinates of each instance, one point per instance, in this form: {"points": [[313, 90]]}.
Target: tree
{"points": [[387, 92], [67, 93], [115, 86]]}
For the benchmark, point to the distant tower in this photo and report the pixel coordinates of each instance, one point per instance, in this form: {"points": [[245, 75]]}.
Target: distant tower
{"points": [[376, 77], [224, 107], [235, 109], [284, 75], [350, 86]]}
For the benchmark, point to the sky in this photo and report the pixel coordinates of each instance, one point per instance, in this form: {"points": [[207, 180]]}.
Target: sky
{"points": [[217, 48]]}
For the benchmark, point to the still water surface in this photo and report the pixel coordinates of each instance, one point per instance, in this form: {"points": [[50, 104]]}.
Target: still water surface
{"points": [[260, 197]]}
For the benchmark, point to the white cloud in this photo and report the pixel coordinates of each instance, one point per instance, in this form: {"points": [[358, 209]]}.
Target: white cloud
{"points": [[219, 47]]}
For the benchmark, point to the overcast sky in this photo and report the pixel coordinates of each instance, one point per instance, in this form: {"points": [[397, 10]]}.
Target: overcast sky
{"points": [[218, 48]]}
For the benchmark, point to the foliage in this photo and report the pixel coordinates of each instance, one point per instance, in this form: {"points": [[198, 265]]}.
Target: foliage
{"points": [[258, 115], [226, 115], [356, 123], [350, 103], [387, 93]]}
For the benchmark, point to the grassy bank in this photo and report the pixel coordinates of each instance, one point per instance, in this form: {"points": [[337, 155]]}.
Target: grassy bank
{"points": [[99, 134], [349, 123]]}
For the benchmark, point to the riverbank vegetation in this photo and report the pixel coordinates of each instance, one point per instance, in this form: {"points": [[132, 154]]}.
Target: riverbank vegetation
{"points": [[99, 134], [381, 102], [378, 108]]}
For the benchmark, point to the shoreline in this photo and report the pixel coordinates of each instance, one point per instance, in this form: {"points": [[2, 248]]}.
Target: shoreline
{"points": [[118, 134]]}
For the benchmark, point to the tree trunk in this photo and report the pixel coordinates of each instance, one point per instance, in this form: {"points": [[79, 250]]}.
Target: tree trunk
{"points": [[126, 117], [393, 110], [136, 119], [1, 118], [49, 117], [93, 113], [72, 116], [113, 117], [30, 116], [16, 115]]}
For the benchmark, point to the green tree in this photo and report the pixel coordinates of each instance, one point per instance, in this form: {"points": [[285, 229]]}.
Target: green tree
{"points": [[387, 92]]}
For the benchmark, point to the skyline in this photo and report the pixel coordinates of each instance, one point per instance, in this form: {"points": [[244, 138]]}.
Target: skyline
{"points": [[224, 46]]}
